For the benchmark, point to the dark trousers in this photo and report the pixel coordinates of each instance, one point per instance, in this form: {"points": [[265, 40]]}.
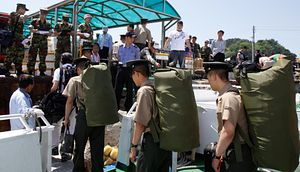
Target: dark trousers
{"points": [[151, 158], [219, 57], [231, 165], [124, 77], [104, 52], [177, 56], [96, 138]]}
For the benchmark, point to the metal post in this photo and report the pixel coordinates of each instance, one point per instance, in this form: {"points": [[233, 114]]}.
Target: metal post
{"points": [[253, 44], [75, 24], [55, 15], [163, 31], [174, 161], [163, 34]]}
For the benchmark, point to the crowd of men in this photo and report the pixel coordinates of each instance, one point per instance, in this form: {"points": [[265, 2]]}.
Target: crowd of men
{"points": [[132, 72]]}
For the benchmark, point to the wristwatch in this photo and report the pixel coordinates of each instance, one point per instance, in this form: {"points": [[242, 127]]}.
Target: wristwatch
{"points": [[134, 146]]}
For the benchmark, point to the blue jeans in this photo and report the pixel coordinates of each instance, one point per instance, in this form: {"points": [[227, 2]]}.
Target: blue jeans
{"points": [[176, 56]]}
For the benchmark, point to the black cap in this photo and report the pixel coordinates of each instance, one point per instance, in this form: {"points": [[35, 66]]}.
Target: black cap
{"points": [[134, 63], [22, 6], [209, 66], [130, 34], [143, 20], [221, 31], [81, 60]]}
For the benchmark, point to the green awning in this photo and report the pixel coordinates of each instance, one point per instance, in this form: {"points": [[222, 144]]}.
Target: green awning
{"points": [[111, 13]]}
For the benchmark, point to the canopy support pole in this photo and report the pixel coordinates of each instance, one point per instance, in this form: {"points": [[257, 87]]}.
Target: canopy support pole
{"points": [[75, 25], [163, 34], [56, 15]]}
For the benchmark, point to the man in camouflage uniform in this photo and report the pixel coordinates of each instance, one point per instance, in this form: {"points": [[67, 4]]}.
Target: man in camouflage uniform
{"points": [[86, 33], [63, 30], [15, 53], [41, 30]]}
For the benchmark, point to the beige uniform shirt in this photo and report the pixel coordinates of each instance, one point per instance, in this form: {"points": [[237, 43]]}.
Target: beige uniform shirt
{"points": [[142, 35], [74, 89], [146, 106], [230, 108]]}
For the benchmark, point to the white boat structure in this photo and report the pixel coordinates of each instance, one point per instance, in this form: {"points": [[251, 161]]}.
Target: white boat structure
{"points": [[26, 149]]}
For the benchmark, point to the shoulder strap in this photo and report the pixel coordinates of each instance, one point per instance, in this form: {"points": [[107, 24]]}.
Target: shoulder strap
{"points": [[153, 125], [61, 73], [239, 132]]}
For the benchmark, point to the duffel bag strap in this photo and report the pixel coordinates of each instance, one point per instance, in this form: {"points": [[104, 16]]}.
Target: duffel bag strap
{"points": [[237, 143], [154, 130], [237, 147]]}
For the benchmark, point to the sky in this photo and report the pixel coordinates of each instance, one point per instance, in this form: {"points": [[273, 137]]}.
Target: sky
{"points": [[279, 20]]}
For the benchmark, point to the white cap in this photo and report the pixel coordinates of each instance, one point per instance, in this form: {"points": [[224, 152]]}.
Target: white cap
{"points": [[87, 16]]}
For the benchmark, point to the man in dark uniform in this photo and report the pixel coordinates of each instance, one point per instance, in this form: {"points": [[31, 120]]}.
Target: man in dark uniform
{"points": [[151, 157], [126, 52], [195, 47], [74, 91], [85, 32], [205, 52], [232, 153], [63, 30], [41, 29], [15, 53]]}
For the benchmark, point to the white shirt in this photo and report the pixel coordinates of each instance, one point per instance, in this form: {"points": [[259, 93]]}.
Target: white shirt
{"points": [[95, 57], [20, 103], [218, 46], [178, 40], [56, 75]]}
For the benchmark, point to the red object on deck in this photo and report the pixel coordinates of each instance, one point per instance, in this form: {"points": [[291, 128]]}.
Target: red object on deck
{"points": [[4, 17]]}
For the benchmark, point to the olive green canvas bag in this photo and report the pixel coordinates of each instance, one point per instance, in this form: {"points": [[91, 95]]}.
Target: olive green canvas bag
{"points": [[100, 100]]}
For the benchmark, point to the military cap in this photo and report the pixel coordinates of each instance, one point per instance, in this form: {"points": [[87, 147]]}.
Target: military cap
{"points": [[134, 63], [81, 60], [130, 34], [66, 15], [143, 20], [209, 66], [44, 11], [19, 5], [87, 16]]}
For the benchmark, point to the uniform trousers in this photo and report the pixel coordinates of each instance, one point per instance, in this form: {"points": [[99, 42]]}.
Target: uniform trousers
{"points": [[96, 138], [152, 158], [124, 77], [104, 52]]}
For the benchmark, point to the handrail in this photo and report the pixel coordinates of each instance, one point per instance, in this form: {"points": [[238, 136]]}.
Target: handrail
{"points": [[21, 117]]}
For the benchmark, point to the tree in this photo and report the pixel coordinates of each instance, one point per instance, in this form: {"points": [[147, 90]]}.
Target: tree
{"points": [[267, 47]]}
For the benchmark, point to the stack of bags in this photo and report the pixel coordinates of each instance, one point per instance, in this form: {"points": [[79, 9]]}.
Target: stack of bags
{"points": [[110, 155]]}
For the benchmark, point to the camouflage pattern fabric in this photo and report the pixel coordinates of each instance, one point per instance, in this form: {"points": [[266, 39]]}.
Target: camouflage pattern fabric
{"points": [[84, 28], [39, 44], [15, 53], [63, 41]]}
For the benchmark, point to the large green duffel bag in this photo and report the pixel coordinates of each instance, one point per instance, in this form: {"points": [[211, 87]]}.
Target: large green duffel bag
{"points": [[177, 110], [100, 100], [269, 99]]}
